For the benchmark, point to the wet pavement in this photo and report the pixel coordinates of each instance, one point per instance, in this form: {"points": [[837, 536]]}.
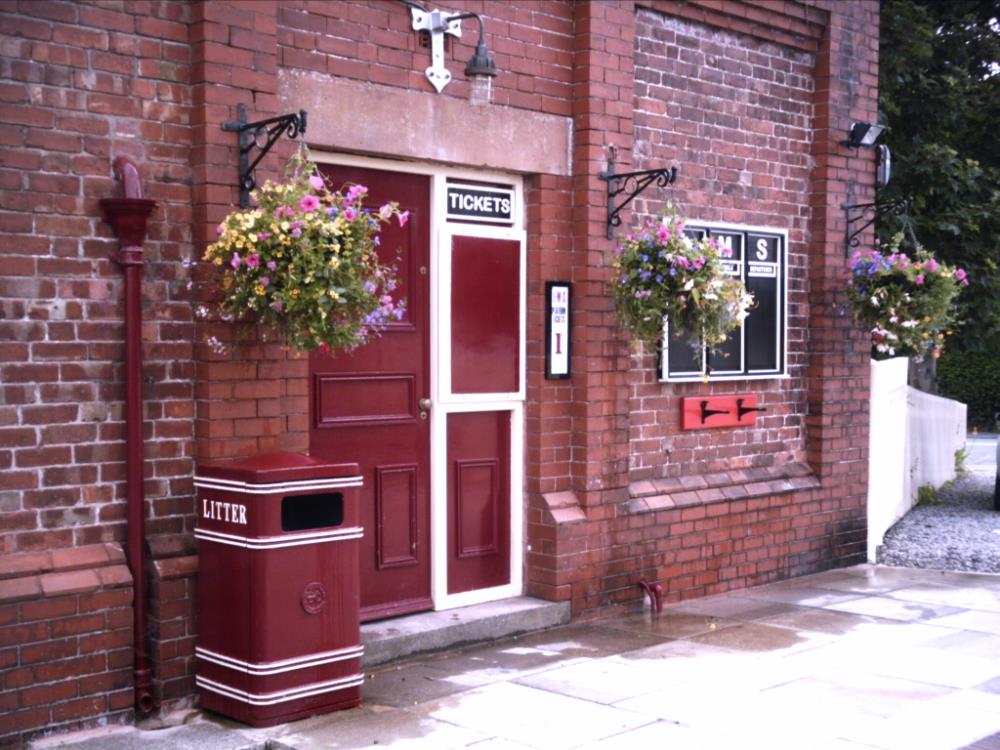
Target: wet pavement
{"points": [[855, 659]]}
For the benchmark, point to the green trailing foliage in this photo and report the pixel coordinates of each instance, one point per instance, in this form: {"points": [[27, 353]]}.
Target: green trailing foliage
{"points": [[939, 94], [974, 379]]}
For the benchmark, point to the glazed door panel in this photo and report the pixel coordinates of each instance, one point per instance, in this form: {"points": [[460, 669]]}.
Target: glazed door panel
{"points": [[366, 409]]}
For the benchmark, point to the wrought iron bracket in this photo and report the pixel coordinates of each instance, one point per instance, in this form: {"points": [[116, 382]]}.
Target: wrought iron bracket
{"points": [[251, 135], [860, 216], [630, 183]]}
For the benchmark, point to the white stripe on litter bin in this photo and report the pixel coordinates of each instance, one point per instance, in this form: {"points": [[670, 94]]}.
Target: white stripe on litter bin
{"points": [[281, 696], [248, 488], [284, 665], [276, 542]]}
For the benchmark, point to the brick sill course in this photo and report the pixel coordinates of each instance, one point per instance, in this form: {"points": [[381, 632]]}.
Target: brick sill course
{"points": [[64, 571], [653, 495]]}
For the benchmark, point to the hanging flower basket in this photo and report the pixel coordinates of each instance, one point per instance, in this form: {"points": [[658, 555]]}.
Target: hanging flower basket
{"points": [[662, 274], [906, 304], [304, 263]]}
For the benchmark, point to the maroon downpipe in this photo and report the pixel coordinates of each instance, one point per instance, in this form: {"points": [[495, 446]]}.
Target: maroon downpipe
{"points": [[128, 216]]}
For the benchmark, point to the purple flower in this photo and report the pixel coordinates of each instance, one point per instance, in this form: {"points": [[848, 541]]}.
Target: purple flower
{"points": [[253, 260], [316, 181], [277, 306], [264, 281], [271, 265], [385, 211], [235, 260], [296, 232], [309, 203], [403, 218]]}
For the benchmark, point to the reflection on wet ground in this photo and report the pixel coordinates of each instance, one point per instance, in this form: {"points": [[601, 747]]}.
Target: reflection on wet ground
{"points": [[864, 658]]}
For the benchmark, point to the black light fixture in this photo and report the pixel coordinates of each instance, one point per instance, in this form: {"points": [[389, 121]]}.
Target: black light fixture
{"points": [[863, 134], [480, 69]]}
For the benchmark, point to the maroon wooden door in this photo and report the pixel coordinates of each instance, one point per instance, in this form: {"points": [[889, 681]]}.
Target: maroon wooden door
{"points": [[366, 409]]}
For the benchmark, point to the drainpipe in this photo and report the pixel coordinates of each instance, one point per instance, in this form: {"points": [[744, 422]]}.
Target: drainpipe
{"points": [[128, 216]]}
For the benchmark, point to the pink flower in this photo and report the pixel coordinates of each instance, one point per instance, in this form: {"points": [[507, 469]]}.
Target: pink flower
{"points": [[253, 260], [385, 211], [309, 203], [235, 260], [316, 181], [264, 281], [962, 276], [350, 214], [403, 218], [918, 279], [932, 265], [271, 265]]}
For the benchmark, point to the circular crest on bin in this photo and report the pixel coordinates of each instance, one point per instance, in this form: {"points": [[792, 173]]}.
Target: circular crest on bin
{"points": [[313, 597]]}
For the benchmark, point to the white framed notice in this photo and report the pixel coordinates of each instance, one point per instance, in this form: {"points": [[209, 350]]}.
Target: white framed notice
{"points": [[557, 329]]}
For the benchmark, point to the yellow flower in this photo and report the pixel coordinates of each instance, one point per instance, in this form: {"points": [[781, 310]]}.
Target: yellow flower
{"points": [[333, 294], [217, 260], [294, 293], [334, 262], [284, 226], [259, 289]]}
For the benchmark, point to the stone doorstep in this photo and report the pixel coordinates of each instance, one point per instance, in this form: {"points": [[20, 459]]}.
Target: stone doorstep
{"points": [[427, 632]]}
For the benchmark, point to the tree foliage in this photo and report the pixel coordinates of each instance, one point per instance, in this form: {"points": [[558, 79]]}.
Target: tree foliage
{"points": [[939, 94]]}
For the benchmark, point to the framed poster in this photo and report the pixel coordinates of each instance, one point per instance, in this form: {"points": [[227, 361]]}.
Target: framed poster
{"points": [[558, 297]]}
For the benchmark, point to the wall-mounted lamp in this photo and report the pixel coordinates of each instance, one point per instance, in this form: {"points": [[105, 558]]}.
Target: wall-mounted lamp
{"points": [[863, 134], [480, 69]]}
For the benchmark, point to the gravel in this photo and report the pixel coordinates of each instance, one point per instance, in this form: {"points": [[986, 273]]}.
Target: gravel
{"points": [[962, 532]]}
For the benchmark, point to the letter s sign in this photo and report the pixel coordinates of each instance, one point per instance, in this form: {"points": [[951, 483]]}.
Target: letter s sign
{"points": [[761, 249]]}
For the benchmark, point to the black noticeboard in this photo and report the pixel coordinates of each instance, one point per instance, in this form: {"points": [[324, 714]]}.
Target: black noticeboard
{"points": [[757, 349]]}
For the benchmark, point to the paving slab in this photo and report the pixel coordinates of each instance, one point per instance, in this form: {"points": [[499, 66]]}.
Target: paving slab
{"points": [[866, 658]]}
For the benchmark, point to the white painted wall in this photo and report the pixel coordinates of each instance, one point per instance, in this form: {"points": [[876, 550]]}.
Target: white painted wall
{"points": [[888, 498], [912, 442], [936, 428]]}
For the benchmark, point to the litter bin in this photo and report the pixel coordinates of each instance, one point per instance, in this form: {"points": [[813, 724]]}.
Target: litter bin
{"points": [[278, 599]]}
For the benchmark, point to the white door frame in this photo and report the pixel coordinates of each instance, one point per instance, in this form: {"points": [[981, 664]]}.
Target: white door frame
{"points": [[444, 401]]}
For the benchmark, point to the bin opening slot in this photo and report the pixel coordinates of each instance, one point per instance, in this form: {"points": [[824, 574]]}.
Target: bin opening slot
{"points": [[300, 512]]}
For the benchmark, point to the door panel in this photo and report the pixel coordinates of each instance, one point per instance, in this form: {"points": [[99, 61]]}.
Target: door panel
{"points": [[478, 500], [365, 409], [485, 315]]}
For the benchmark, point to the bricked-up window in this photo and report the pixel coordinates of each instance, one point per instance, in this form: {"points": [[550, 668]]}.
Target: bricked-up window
{"points": [[757, 350]]}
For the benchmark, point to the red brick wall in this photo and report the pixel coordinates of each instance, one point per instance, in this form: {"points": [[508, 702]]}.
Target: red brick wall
{"points": [[734, 112], [372, 40], [710, 511], [84, 83], [65, 640]]}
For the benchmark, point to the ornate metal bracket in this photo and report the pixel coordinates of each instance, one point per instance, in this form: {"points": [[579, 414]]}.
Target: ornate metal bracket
{"points": [[631, 183], [250, 137], [860, 216]]}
